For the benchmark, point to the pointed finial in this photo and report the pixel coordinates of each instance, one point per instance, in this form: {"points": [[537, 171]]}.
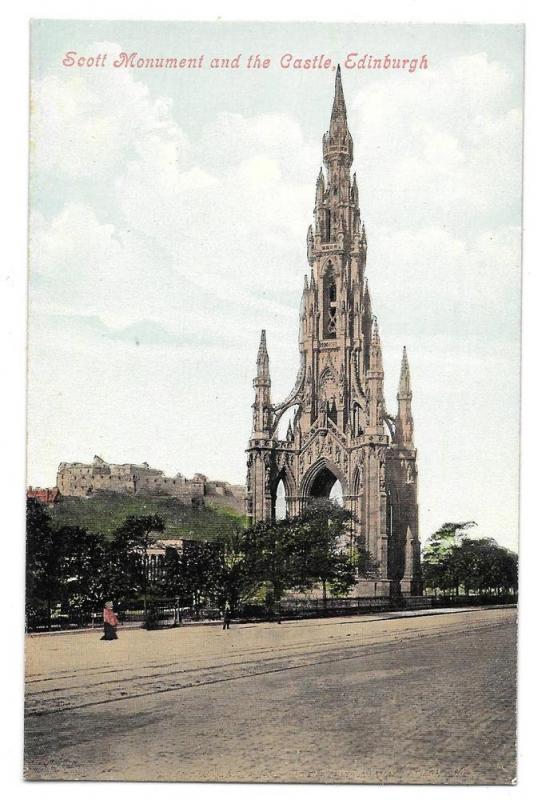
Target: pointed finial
{"points": [[375, 356], [337, 142], [363, 234], [290, 432], [320, 187], [339, 106], [404, 380], [355, 184], [375, 335], [305, 283], [366, 295], [263, 359]]}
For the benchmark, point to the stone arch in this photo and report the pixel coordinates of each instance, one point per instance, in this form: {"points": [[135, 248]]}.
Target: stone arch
{"points": [[321, 476], [284, 475], [390, 424]]}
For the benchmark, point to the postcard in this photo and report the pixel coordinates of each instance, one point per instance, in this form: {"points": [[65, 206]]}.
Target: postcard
{"points": [[273, 402]]}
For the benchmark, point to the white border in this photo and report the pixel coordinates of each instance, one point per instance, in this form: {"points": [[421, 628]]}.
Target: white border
{"points": [[14, 77]]}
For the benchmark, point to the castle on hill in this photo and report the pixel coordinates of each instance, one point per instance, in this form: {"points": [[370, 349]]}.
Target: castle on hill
{"points": [[84, 480]]}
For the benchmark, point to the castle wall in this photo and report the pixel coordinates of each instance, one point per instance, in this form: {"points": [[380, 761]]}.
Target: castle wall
{"points": [[84, 480]]}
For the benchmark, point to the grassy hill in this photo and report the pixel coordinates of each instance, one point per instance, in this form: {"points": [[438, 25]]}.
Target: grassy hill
{"points": [[104, 512]]}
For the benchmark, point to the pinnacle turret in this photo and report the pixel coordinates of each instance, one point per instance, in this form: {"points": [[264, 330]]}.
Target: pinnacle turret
{"points": [[290, 432], [404, 425], [262, 408], [262, 362], [339, 106], [338, 146], [405, 392], [320, 181], [375, 359], [355, 191]]}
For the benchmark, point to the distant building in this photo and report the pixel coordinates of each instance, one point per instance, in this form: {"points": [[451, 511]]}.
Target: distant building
{"points": [[46, 496], [84, 480]]}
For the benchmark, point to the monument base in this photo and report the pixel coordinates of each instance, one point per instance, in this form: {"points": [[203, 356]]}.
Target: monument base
{"points": [[408, 587]]}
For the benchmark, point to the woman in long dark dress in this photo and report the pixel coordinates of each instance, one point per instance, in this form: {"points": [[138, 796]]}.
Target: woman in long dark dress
{"points": [[110, 622]]}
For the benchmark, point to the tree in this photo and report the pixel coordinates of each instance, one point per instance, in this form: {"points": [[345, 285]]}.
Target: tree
{"points": [[42, 584], [200, 570], [82, 566], [452, 561], [319, 555], [64, 565], [270, 556], [240, 573], [171, 582], [439, 558], [129, 555]]}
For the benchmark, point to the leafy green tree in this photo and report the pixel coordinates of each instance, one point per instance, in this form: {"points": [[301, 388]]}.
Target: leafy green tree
{"points": [[440, 568], [42, 580], [270, 556], [200, 572], [453, 562], [240, 573], [81, 567], [66, 565], [129, 556], [319, 556], [171, 582]]}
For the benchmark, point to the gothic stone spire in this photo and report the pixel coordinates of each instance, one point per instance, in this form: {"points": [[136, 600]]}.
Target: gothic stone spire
{"points": [[262, 408], [338, 145], [404, 392], [262, 361], [375, 361], [341, 425], [404, 427], [338, 112]]}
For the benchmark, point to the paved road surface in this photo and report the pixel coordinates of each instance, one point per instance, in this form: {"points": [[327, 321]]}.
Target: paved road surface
{"points": [[427, 699]]}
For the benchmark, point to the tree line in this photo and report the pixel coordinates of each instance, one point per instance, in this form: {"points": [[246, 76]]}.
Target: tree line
{"points": [[455, 564], [74, 568], [78, 569]]}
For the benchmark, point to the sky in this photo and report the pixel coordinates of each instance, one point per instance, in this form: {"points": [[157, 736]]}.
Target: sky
{"points": [[169, 211]]}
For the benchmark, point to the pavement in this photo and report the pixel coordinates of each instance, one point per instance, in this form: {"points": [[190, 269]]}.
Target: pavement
{"points": [[417, 698]]}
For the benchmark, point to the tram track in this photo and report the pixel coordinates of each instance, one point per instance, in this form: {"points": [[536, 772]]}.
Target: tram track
{"points": [[67, 674], [299, 656]]}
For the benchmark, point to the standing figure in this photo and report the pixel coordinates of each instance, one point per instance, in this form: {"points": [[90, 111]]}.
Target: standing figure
{"points": [[227, 617], [110, 622]]}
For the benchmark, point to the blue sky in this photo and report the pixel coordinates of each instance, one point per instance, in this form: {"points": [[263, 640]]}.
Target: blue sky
{"points": [[169, 214]]}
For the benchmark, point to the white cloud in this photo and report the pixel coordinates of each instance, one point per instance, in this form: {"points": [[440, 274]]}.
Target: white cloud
{"points": [[86, 123], [442, 150]]}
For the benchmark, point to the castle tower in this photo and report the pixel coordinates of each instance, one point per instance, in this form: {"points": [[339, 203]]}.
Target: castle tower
{"points": [[341, 430]]}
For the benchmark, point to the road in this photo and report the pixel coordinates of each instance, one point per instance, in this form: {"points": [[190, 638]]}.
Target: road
{"points": [[386, 699]]}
